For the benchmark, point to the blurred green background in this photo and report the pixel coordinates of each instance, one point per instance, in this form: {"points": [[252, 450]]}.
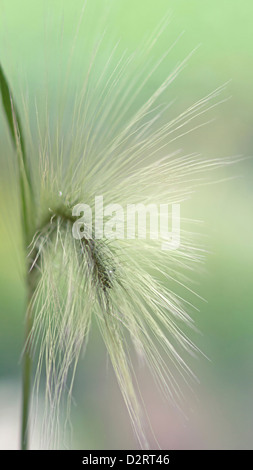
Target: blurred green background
{"points": [[221, 415]]}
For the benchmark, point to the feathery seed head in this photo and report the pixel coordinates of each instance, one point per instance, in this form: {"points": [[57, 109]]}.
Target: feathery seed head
{"points": [[122, 151]]}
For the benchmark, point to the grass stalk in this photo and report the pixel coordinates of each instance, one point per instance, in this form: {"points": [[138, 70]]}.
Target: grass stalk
{"points": [[27, 219], [27, 371]]}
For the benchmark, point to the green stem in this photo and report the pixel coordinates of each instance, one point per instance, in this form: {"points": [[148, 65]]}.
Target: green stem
{"points": [[27, 217], [27, 370]]}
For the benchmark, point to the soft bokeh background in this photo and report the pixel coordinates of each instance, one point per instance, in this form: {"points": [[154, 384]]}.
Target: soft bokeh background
{"points": [[221, 414]]}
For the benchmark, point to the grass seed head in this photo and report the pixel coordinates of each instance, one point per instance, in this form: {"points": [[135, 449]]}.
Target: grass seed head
{"points": [[112, 144]]}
